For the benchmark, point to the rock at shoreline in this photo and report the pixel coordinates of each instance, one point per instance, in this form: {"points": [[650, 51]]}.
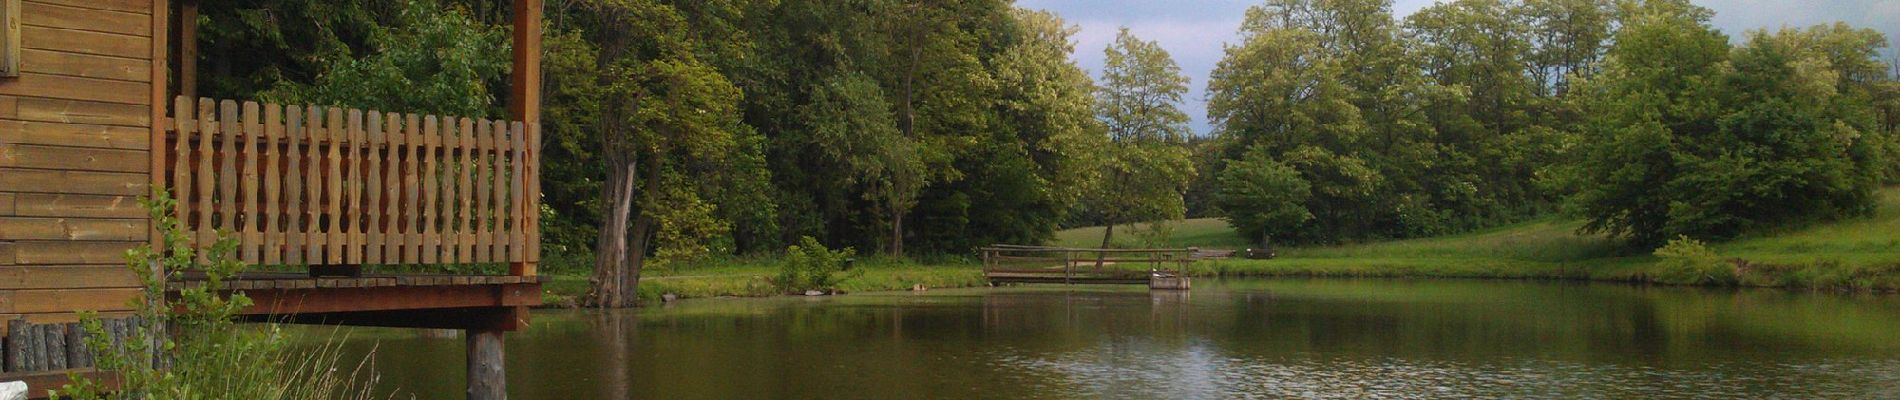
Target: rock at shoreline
{"points": [[814, 293], [669, 297]]}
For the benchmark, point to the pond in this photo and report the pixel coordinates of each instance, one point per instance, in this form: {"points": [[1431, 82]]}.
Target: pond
{"points": [[1226, 339]]}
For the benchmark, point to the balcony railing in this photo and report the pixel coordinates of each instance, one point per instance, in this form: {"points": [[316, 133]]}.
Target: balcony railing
{"points": [[306, 185]]}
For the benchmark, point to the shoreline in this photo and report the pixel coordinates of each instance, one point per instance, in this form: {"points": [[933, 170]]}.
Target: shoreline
{"points": [[1817, 277]]}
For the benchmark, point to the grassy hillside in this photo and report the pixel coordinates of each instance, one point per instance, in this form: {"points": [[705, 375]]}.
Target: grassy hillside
{"points": [[1857, 253], [1201, 232]]}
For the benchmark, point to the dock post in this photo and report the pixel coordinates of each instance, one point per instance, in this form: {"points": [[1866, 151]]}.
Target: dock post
{"points": [[486, 378]]}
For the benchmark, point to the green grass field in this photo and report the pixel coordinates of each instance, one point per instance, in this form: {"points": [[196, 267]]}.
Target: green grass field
{"points": [[751, 277], [1856, 253]]}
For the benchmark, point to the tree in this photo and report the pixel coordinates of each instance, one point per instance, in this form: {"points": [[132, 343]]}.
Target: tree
{"points": [[852, 127], [666, 118], [1147, 165], [1263, 197], [426, 61], [1696, 139]]}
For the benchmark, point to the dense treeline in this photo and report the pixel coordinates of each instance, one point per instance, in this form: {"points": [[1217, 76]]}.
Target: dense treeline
{"points": [[679, 129], [1339, 123]]}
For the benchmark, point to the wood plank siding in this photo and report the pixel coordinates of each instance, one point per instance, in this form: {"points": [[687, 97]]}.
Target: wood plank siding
{"points": [[75, 141]]}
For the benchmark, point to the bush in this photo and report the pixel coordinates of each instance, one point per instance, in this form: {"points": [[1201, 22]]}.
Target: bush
{"points": [[190, 347], [809, 265], [1688, 261]]}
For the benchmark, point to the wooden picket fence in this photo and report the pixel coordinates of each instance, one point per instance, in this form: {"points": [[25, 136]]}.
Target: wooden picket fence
{"points": [[306, 185]]}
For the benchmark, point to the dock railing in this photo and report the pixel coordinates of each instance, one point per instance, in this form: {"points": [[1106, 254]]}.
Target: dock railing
{"points": [[1018, 263], [324, 186]]}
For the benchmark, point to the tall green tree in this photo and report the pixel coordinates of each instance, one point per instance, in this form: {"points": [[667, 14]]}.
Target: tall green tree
{"points": [[1694, 138], [1146, 164], [667, 118], [1263, 197]]}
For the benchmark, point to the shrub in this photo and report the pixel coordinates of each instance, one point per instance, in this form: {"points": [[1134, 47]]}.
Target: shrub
{"points": [[809, 265], [1688, 261], [190, 347]]}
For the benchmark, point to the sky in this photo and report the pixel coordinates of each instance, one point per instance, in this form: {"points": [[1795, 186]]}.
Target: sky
{"points": [[1194, 31]]}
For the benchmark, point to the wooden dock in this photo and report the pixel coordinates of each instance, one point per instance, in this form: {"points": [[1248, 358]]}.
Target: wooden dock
{"points": [[1157, 268]]}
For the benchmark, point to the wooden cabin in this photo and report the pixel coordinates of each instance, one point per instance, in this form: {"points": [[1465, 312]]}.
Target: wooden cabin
{"points": [[89, 123]]}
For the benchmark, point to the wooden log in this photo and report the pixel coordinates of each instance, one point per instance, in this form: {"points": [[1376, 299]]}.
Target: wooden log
{"points": [[486, 377], [55, 338], [35, 347], [16, 345], [78, 353]]}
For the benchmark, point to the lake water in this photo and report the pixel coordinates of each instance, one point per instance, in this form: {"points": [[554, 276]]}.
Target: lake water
{"points": [[1233, 339]]}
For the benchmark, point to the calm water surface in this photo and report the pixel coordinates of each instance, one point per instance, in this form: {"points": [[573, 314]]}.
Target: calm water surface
{"points": [[1235, 339]]}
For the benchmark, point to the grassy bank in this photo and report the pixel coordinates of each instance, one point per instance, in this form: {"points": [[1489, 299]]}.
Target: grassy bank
{"points": [[751, 277], [1857, 254], [1862, 253]]}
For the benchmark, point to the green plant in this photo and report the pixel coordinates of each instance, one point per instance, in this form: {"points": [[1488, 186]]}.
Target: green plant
{"points": [[809, 265], [1688, 261], [189, 346]]}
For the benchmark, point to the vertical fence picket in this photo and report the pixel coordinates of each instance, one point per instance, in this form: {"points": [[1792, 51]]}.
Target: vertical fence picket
{"points": [[316, 216], [464, 192], [181, 159], [483, 143], [329, 182], [207, 128], [249, 236], [411, 192], [498, 224], [518, 201], [391, 208], [352, 210], [228, 129], [273, 185], [372, 210], [431, 185], [451, 144], [334, 136], [293, 185], [533, 175]]}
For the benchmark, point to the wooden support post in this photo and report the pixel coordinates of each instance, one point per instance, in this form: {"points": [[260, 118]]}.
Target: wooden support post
{"points": [[187, 49], [486, 377], [160, 53], [525, 102]]}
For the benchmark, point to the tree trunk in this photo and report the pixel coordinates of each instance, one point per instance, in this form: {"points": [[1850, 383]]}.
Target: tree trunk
{"points": [[897, 233], [610, 252], [642, 236], [1102, 256]]}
